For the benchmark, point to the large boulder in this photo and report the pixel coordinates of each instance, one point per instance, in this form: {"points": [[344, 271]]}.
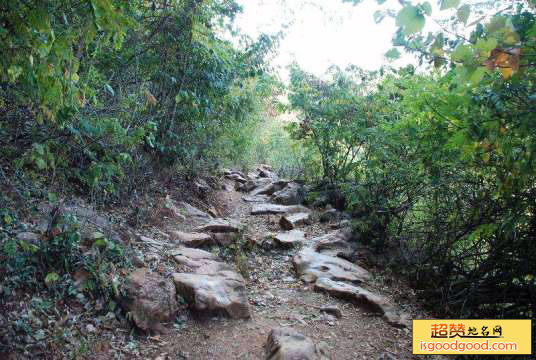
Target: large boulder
{"points": [[290, 238], [213, 291], [292, 221], [310, 265], [271, 209], [363, 298], [192, 239], [289, 344], [292, 194], [150, 299]]}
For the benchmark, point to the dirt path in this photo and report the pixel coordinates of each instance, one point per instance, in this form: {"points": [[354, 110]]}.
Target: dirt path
{"points": [[278, 298]]}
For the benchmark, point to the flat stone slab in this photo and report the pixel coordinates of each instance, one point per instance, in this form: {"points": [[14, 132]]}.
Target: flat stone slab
{"points": [[219, 226], [310, 265], [256, 199], [335, 244], [289, 344], [193, 211], [289, 238], [192, 239], [271, 209], [292, 221], [361, 297], [220, 292], [191, 257]]}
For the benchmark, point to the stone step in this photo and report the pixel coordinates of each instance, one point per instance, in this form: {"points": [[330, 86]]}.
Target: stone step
{"points": [[293, 221], [272, 209], [311, 265], [363, 298]]}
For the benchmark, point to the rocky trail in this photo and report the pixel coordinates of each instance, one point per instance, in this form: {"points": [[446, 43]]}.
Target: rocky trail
{"points": [[264, 278]]}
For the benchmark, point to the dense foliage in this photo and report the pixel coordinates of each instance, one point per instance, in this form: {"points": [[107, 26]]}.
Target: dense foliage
{"points": [[98, 92], [438, 167]]}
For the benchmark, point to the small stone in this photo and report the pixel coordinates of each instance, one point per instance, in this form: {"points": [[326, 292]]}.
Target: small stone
{"points": [[90, 328], [332, 310], [288, 344]]}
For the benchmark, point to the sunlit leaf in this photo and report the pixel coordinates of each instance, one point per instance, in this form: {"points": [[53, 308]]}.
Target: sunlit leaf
{"points": [[410, 20], [392, 54], [51, 278], [447, 4]]}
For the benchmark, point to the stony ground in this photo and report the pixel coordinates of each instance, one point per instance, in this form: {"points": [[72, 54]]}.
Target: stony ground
{"points": [[277, 298], [82, 328]]}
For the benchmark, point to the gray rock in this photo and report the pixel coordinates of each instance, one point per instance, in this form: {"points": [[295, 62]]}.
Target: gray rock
{"points": [[220, 226], [361, 297], [256, 199], [191, 257], [270, 188], [266, 171], [332, 310], [289, 222], [292, 194], [150, 299], [310, 265], [247, 186], [192, 239], [329, 215], [266, 209], [290, 238], [237, 177], [215, 292], [289, 344], [193, 211], [335, 244], [225, 239]]}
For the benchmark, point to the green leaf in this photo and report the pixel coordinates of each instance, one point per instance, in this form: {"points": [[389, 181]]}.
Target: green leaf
{"points": [[8, 219], [447, 4], [392, 54], [463, 13], [109, 89], [97, 235], [13, 72], [41, 164], [410, 20], [51, 278], [427, 8], [477, 75], [463, 53], [378, 16]]}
